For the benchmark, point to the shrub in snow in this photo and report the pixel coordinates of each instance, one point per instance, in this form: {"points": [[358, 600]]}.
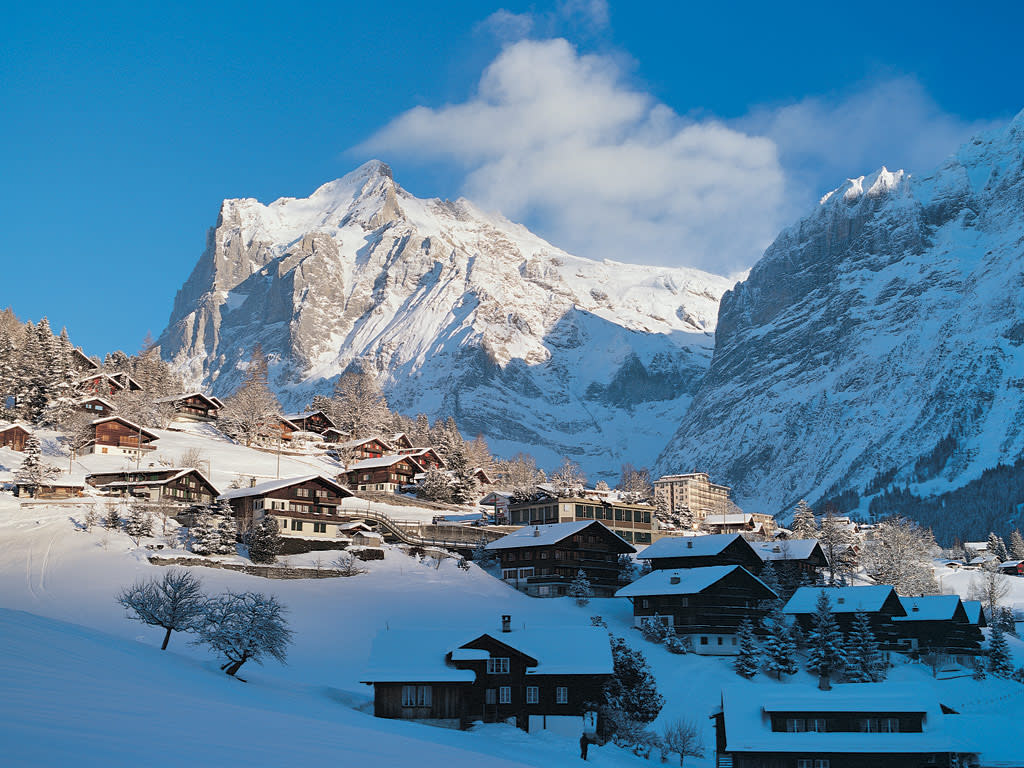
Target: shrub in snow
{"points": [[1018, 675], [680, 645], [112, 519], [654, 629], [264, 541], [1000, 663], [779, 644], [748, 660], [825, 652], [683, 737], [579, 588], [348, 564], [462, 564], [864, 663], [627, 569], [138, 524], [175, 602], [598, 621], [244, 626]]}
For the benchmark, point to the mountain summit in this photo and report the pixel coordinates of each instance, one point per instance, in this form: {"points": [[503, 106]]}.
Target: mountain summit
{"points": [[458, 311]]}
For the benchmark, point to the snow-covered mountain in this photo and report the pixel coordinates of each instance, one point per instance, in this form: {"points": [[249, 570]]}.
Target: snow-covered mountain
{"points": [[878, 342], [460, 312]]}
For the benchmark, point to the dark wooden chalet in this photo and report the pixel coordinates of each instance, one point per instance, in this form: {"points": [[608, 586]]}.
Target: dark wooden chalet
{"points": [[482, 477], [193, 406], [51, 489], [792, 558], [400, 441], [158, 484], [363, 448], [383, 473], [974, 612], [428, 458], [14, 436], [312, 421], [284, 429], [937, 624], [701, 551], [99, 384], [97, 407], [543, 560], [539, 678], [1012, 568], [706, 604], [82, 362], [867, 725], [880, 603], [126, 381], [308, 506], [115, 435]]}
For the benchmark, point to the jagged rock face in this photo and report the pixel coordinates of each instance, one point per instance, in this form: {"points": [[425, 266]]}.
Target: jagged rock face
{"points": [[889, 319], [459, 312]]}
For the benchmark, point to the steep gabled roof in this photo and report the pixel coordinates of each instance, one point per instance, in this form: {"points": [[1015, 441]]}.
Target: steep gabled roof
{"points": [[974, 613], [132, 425], [546, 535], [690, 546], [306, 414], [383, 461], [685, 581], [362, 441], [932, 608], [185, 396], [786, 549], [285, 482], [843, 599]]}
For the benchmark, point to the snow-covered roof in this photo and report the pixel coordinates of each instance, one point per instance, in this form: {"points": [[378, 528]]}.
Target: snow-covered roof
{"points": [[306, 415], [689, 546], [929, 608], [842, 599], [359, 442], [973, 610], [185, 396], [982, 559], [787, 549], [546, 535], [134, 427], [6, 427], [748, 724], [415, 656], [95, 399], [176, 473], [274, 485], [562, 650], [1011, 563], [682, 581], [381, 461], [729, 519], [98, 375]]}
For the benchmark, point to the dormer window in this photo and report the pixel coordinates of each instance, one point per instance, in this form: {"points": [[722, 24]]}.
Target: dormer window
{"points": [[498, 665]]}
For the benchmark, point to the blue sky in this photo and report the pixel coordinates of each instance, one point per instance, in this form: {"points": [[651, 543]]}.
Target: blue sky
{"points": [[124, 125]]}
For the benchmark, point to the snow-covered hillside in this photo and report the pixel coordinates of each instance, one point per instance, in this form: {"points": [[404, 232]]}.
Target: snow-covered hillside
{"points": [[877, 343], [460, 312]]}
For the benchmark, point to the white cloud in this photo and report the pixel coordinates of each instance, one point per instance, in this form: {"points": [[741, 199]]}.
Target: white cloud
{"points": [[561, 142]]}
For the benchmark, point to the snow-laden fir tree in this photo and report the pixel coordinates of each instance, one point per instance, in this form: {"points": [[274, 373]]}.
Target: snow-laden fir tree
{"points": [[436, 485], [654, 629], [626, 568], [34, 472], [997, 547], [779, 643], [1016, 545], [174, 601], [804, 524], [112, 518], [770, 578], [825, 649], [748, 659], [632, 690], [864, 663], [900, 554], [580, 589], [139, 523], [1000, 663], [213, 534], [244, 626], [1006, 619], [464, 485], [264, 540]]}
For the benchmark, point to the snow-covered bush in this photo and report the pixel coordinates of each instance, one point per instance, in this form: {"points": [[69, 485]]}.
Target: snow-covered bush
{"points": [[264, 541], [653, 628], [244, 626], [679, 645], [580, 589]]}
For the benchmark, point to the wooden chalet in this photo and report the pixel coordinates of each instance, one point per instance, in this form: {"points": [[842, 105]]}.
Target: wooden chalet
{"points": [[632, 522], [974, 612], [118, 436], [14, 436], [543, 560], [791, 558], [82, 362], [307, 507], [192, 406], [98, 384], [937, 624], [312, 421], [126, 381], [382, 473], [700, 551], [880, 603], [363, 448], [51, 489], [400, 442], [157, 484], [1012, 568], [706, 604], [481, 476], [853, 726], [96, 406], [539, 678], [428, 458]]}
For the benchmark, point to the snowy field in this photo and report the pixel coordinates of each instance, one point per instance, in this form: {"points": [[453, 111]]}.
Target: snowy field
{"points": [[82, 684]]}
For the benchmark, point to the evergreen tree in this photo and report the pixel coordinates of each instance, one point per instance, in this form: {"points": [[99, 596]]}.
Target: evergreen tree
{"points": [[1016, 545], [112, 520], [580, 589], [436, 485], [1000, 663], [139, 523], [264, 541], [205, 533], [804, 525], [627, 569], [997, 547], [33, 472], [748, 660], [825, 653], [779, 645], [632, 689], [864, 662], [770, 578]]}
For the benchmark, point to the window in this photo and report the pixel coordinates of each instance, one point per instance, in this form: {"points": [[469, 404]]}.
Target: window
{"points": [[531, 694], [284, 524], [719, 640], [561, 695], [490, 696], [889, 725], [497, 666], [703, 641], [525, 573], [796, 725], [296, 525], [302, 492], [319, 527], [416, 696], [505, 694], [645, 603], [321, 494], [509, 573]]}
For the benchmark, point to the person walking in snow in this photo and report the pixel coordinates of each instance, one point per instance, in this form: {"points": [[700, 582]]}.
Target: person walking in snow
{"points": [[584, 743]]}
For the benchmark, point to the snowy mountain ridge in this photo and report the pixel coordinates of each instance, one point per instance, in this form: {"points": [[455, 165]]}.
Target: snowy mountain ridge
{"points": [[878, 342], [460, 312]]}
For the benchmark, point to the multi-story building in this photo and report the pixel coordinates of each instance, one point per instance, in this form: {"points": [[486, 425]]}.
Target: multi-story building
{"points": [[632, 522], [693, 491]]}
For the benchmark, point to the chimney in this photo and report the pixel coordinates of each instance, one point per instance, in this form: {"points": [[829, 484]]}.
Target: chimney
{"points": [[673, 579], [252, 482], [689, 543], [536, 530], [915, 609], [506, 623]]}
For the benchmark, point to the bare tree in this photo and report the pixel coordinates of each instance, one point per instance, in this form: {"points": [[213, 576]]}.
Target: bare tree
{"points": [[990, 588], [174, 602], [520, 475], [359, 407], [568, 479], [900, 554], [635, 483], [192, 458], [684, 738], [252, 413], [347, 564], [244, 626], [837, 542]]}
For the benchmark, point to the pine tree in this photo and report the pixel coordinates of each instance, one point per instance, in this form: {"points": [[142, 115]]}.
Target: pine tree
{"points": [[748, 660], [770, 578], [205, 533], [804, 525], [464, 485], [1016, 545], [33, 472], [825, 653], [580, 589], [864, 662], [632, 689], [112, 520], [264, 541], [139, 523], [997, 547], [779, 645], [1000, 663], [436, 485]]}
